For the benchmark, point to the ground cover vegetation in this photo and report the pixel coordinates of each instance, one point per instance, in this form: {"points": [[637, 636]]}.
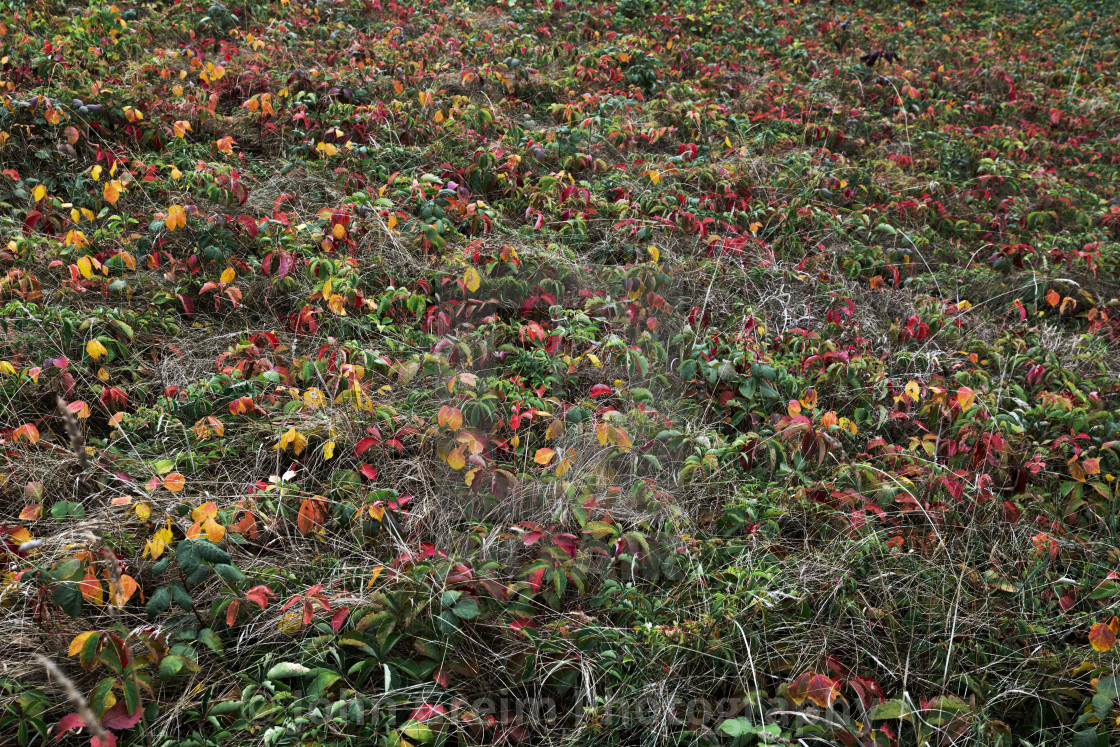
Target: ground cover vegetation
{"points": [[708, 372]]}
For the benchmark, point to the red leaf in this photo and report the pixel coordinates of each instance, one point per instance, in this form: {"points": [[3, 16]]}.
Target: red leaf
{"points": [[364, 445], [109, 740], [249, 224], [31, 221], [339, 618], [231, 613], [600, 389], [567, 543], [188, 305], [118, 717], [68, 722], [368, 472]]}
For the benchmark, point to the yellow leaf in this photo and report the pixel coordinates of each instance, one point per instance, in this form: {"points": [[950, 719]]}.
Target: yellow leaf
{"points": [[95, 349], [913, 390], [175, 173], [112, 192], [544, 456], [327, 149], [373, 576], [472, 279], [181, 128], [564, 466], [227, 275], [79, 641], [456, 459], [158, 543], [594, 360], [143, 511], [39, 192], [314, 398], [654, 252], [95, 172], [85, 267], [603, 433], [328, 450]]}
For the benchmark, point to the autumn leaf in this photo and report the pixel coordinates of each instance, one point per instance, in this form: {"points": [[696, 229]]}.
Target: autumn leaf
{"points": [[174, 482], [312, 515], [544, 456], [79, 641], [91, 590], [472, 280], [94, 349], [1102, 636], [450, 417], [913, 390], [26, 431], [965, 398], [112, 191]]}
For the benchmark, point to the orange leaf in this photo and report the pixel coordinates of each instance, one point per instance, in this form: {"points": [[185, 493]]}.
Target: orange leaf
{"points": [[543, 456], [205, 511], [112, 192], [31, 513], [965, 398], [28, 431], [1102, 637], [450, 417], [121, 593], [174, 482], [91, 589], [1053, 297], [312, 515]]}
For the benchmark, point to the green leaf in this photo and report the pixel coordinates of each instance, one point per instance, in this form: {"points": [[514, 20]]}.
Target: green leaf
{"points": [[188, 556], [65, 569], [211, 553], [1085, 738], [887, 710], [171, 665], [1109, 687], [286, 669], [210, 639], [181, 596], [322, 682], [69, 598], [229, 573], [737, 727], [159, 601], [466, 609]]}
